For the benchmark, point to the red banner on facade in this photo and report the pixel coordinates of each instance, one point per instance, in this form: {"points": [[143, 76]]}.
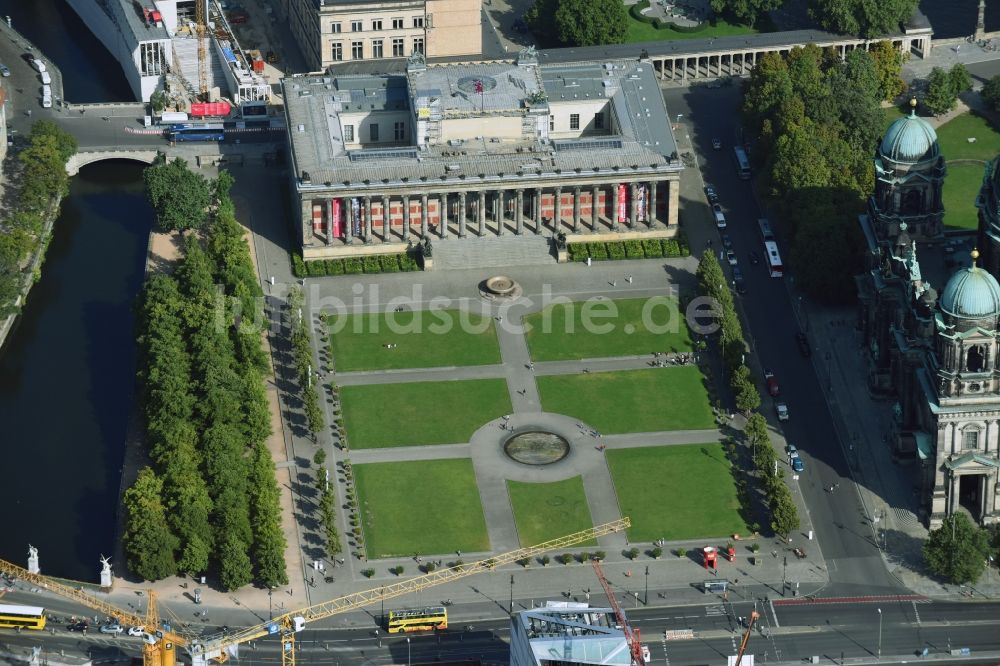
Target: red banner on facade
{"points": [[622, 203], [338, 221]]}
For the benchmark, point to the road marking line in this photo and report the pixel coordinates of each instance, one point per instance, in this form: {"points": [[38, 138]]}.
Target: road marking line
{"points": [[776, 623]]}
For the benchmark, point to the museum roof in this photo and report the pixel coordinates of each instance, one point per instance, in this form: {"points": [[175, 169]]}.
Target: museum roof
{"points": [[314, 104]]}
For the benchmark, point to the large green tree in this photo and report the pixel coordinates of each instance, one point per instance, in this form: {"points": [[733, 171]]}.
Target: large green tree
{"points": [[235, 569], [180, 197], [889, 64], [149, 544], [958, 550], [991, 93], [744, 11], [944, 87], [864, 18], [590, 22]]}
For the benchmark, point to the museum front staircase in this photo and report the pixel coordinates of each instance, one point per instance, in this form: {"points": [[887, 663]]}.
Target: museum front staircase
{"points": [[492, 251]]}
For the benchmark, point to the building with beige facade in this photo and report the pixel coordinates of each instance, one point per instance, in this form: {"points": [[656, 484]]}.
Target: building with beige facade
{"points": [[333, 31], [485, 149]]}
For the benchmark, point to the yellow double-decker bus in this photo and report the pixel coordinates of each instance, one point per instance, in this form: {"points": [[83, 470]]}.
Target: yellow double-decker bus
{"points": [[418, 619], [25, 617]]}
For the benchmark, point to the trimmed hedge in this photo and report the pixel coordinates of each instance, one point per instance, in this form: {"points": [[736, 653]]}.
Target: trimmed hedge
{"points": [[385, 263], [652, 248]]}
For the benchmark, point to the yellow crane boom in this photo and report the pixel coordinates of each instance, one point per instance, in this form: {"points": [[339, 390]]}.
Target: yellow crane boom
{"points": [[158, 646], [286, 625]]}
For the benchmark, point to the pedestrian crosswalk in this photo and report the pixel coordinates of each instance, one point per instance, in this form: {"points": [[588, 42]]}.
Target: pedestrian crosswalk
{"points": [[717, 609]]}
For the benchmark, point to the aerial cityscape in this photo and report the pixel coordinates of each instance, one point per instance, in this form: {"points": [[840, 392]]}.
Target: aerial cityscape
{"points": [[481, 332]]}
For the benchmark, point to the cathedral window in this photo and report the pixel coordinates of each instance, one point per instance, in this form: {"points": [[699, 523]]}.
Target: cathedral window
{"points": [[975, 360], [913, 202], [970, 439]]}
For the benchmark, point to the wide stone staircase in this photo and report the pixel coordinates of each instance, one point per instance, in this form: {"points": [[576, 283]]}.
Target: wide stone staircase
{"points": [[186, 59], [491, 252]]}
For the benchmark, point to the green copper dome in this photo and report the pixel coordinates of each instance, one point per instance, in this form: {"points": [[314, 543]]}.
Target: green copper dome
{"points": [[972, 293], [910, 140]]}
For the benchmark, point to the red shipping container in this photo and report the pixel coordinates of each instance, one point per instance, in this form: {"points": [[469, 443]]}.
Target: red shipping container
{"points": [[258, 66], [202, 109]]}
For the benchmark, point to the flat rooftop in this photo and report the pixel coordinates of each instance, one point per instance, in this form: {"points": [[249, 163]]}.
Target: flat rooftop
{"points": [[315, 103], [136, 23]]}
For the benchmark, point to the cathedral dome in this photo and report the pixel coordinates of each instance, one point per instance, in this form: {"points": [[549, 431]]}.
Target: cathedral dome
{"points": [[972, 293], [910, 140]]}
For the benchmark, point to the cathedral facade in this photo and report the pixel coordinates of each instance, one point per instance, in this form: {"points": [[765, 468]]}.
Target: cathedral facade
{"points": [[937, 355]]}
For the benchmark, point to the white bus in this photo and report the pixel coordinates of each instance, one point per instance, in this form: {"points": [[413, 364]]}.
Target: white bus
{"points": [[742, 162], [774, 266]]}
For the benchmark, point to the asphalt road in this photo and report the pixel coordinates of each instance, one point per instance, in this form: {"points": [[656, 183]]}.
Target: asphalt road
{"points": [[842, 531], [787, 634]]}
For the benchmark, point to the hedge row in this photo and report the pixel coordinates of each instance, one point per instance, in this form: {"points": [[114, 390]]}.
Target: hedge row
{"points": [[636, 12], [385, 263], [652, 248]]}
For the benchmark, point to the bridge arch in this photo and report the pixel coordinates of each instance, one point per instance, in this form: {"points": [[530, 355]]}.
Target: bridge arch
{"points": [[82, 159]]}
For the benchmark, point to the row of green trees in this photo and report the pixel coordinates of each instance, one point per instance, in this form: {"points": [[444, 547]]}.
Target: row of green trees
{"points": [[43, 183], [302, 355], [578, 22], [210, 501], [863, 18], [817, 120], [712, 283], [944, 87]]}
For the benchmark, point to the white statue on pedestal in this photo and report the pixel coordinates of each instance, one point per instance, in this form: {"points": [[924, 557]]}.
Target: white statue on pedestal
{"points": [[32, 559], [106, 575]]}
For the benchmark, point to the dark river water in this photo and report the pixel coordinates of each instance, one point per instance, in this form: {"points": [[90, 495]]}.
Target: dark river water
{"points": [[67, 371]]}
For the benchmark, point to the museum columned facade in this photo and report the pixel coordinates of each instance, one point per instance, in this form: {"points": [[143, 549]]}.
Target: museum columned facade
{"points": [[457, 150]]}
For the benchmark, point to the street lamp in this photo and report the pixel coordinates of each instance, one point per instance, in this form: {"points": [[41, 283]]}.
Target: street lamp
{"points": [[270, 611], [879, 654], [510, 611], [407, 651], [645, 596]]}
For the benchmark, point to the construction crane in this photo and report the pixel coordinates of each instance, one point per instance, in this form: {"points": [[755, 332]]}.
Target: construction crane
{"points": [[201, 30], [159, 648], [754, 615], [631, 636]]}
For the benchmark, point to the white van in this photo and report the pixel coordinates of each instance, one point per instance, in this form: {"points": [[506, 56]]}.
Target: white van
{"points": [[38, 65], [47, 102], [46, 78], [46, 91]]}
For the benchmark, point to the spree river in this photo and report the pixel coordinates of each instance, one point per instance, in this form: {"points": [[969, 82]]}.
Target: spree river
{"points": [[67, 372]]}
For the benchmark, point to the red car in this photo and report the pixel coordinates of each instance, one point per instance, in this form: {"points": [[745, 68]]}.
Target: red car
{"points": [[772, 384]]}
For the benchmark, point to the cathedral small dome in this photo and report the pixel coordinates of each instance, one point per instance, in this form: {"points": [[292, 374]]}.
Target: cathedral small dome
{"points": [[972, 293], [910, 140]]}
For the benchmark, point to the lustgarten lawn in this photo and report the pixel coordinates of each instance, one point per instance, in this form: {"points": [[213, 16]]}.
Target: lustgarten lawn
{"points": [[673, 398], [600, 328], [546, 511], [676, 492], [427, 507], [382, 415], [412, 339]]}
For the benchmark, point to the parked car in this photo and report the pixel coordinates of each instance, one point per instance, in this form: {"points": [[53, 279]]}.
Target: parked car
{"points": [[772, 384], [4, 71], [791, 450], [136, 631], [803, 342], [46, 101], [716, 143], [112, 629], [797, 463], [727, 241], [78, 626], [712, 194], [38, 65], [720, 218], [46, 78], [754, 258], [738, 281], [782, 410], [731, 258], [646, 656]]}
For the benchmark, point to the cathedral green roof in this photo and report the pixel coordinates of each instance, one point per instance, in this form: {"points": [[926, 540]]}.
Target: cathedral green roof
{"points": [[971, 293], [910, 140]]}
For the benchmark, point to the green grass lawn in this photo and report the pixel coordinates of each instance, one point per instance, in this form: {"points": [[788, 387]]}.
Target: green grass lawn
{"points": [[961, 187], [672, 398], [384, 415], [676, 492], [954, 135], [614, 328], [639, 31], [427, 507], [423, 339], [546, 511]]}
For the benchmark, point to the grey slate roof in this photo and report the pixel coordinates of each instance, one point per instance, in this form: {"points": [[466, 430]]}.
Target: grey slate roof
{"points": [[645, 143]]}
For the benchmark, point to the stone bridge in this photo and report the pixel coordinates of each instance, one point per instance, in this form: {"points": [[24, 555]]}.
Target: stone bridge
{"points": [[85, 157]]}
